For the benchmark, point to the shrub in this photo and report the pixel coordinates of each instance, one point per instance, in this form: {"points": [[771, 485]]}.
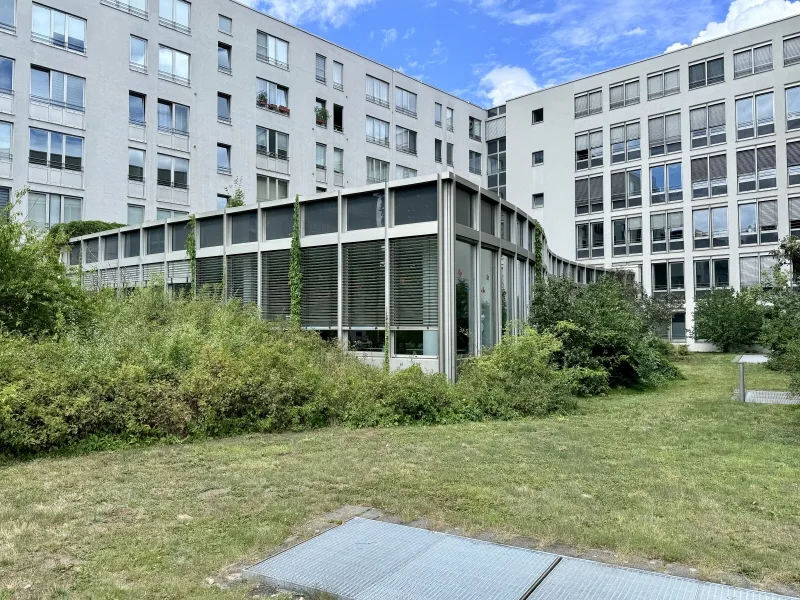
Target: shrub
{"points": [[605, 326], [729, 319], [66, 231], [780, 333]]}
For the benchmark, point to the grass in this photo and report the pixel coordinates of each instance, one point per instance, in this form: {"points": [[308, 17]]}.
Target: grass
{"points": [[680, 474]]}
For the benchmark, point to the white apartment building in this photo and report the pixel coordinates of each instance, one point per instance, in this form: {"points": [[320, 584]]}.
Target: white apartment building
{"points": [[682, 168]]}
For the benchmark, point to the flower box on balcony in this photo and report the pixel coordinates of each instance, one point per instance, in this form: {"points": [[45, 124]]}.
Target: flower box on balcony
{"points": [[283, 109]]}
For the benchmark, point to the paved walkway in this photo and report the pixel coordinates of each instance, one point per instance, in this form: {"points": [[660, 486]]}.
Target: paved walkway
{"points": [[374, 560]]}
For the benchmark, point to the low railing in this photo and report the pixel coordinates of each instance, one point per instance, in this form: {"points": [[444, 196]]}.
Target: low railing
{"points": [[125, 7], [173, 78], [59, 43], [176, 26]]}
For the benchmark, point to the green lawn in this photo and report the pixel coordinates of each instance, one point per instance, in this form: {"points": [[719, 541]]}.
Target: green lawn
{"points": [[681, 474]]}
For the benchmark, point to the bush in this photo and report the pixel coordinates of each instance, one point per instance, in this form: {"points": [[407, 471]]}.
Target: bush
{"points": [[607, 326], [149, 367], [729, 319], [66, 231]]}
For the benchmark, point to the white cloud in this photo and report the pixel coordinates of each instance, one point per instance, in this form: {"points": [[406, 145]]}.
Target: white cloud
{"points": [[333, 13], [636, 31], [744, 14], [505, 82], [409, 32], [389, 36], [676, 46]]}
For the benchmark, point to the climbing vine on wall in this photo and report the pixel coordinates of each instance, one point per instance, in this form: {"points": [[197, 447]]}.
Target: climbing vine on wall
{"points": [[295, 273], [191, 252], [537, 255]]}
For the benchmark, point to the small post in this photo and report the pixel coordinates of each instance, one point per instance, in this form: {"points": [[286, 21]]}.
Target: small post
{"points": [[742, 392]]}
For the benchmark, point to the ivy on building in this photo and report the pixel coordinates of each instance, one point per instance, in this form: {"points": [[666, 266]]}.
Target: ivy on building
{"points": [[295, 272]]}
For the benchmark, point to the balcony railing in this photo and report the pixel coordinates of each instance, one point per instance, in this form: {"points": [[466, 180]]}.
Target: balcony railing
{"points": [[475, 136], [224, 69], [79, 46], [375, 179], [450, 125], [54, 111], [271, 161], [338, 86], [137, 67], [136, 131], [407, 148], [173, 191], [8, 27], [449, 162], [322, 174], [55, 172], [338, 178], [223, 170], [321, 79], [438, 123], [125, 7], [338, 128], [474, 169], [176, 26], [223, 119], [405, 111], [261, 54], [6, 163], [174, 78], [276, 108], [379, 141], [378, 101], [170, 137]]}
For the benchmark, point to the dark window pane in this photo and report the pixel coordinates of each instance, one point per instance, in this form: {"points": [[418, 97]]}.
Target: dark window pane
{"points": [[463, 207], [279, 222], [131, 243], [179, 232], [487, 217], [155, 240], [320, 217], [210, 232], [408, 342], [365, 211], [415, 204], [244, 227]]}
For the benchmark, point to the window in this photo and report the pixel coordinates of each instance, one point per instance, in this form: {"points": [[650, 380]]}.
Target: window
{"points": [[136, 108], [707, 72], [623, 94], [225, 25], [505, 224], [244, 227], [402, 172], [46, 210], [175, 15], [475, 162], [272, 143], [755, 270], [437, 150], [154, 240], [710, 273], [449, 154], [449, 119], [377, 131], [338, 118], [173, 171], [589, 195], [755, 169], [6, 130], [752, 60], [496, 166], [7, 16], [589, 103], [223, 159], [415, 204], [708, 125], [365, 211], [110, 247], [132, 240], [272, 96], [793, 108], [321, 157], [437, 114], [537, 157], [475, 129], [377, 170], [6, 75], [338, 76], [665, 134], [537, 116], [791, 51], [162, 214], [51, 26], [173, 65], [57, 88], [487, 217], [709, 176], [406, 140], [405, 102], [668, 278], [464, 207], [55, 150], [338, 166], [710, 227], [793, 162], [377, 91], [135, 216], [271, 188], [538, 200], [666, 183], [211, 232], [272, 50], [663, 84], [173, 117], [627, 234], [758, 222], [224, 58], [755, 116], [794, 218], [320, 68], [589, 150], [590, 240], [135, 164], [626, 189], [666, 231], [223, 108], [138, 56], [321, 113], [625, 142]]}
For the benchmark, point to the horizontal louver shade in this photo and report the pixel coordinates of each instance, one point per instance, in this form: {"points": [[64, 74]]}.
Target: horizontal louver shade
{"points": [[178, 271], [275, 294], [210, 273], [633, 131], [745, 162], [91, 280], [697, 118], [762, 58], [320, 266], [153, 270], [241, 278], [793, 154], [617, 134], [766, 157], [768, 214], [414, 282], [596, 187], [748, 271], [656, 131], [129, 276], [718, 166], [791, 51], [617, 185], [108, 277], [364, 285], [716, 115], [5, 197], [700, 169], [496, 128]]}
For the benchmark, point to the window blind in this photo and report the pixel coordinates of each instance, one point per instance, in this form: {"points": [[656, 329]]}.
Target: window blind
{"points": [[320, 303], [414, 282], [364, 287], [242, 277], [275, 296]]}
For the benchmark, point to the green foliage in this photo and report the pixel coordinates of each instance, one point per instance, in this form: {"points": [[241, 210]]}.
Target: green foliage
{"points": [[780, 333], [191, 251], [295, 270], [788, 254], [322, 114], [537, 253], [605, 327], [235, 193], [151, 367], [729, 319], [79, 228], [36, 295]]}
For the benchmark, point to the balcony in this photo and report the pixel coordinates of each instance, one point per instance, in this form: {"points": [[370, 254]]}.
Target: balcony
{"points": [[77, 46], [166, 76], [6, 165], [176, 26], [261, 54], [338, 178], [270, 161], [322, 174], [175, 193], [125, 7], [263, 103], [136, 131], [55, 173], [378, 101], [174, 139], [7, 101], [60, 113], [135, 186]]}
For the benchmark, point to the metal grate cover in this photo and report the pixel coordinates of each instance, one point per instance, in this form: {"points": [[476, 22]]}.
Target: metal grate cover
{"points": [[758, 397]]}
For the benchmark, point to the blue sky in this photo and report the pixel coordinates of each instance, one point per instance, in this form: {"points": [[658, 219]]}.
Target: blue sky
{"points": [[487, 51]]}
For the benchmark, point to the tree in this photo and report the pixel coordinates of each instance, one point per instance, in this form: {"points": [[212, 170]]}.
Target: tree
{"points": [[730, 320], [235, 193]]}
